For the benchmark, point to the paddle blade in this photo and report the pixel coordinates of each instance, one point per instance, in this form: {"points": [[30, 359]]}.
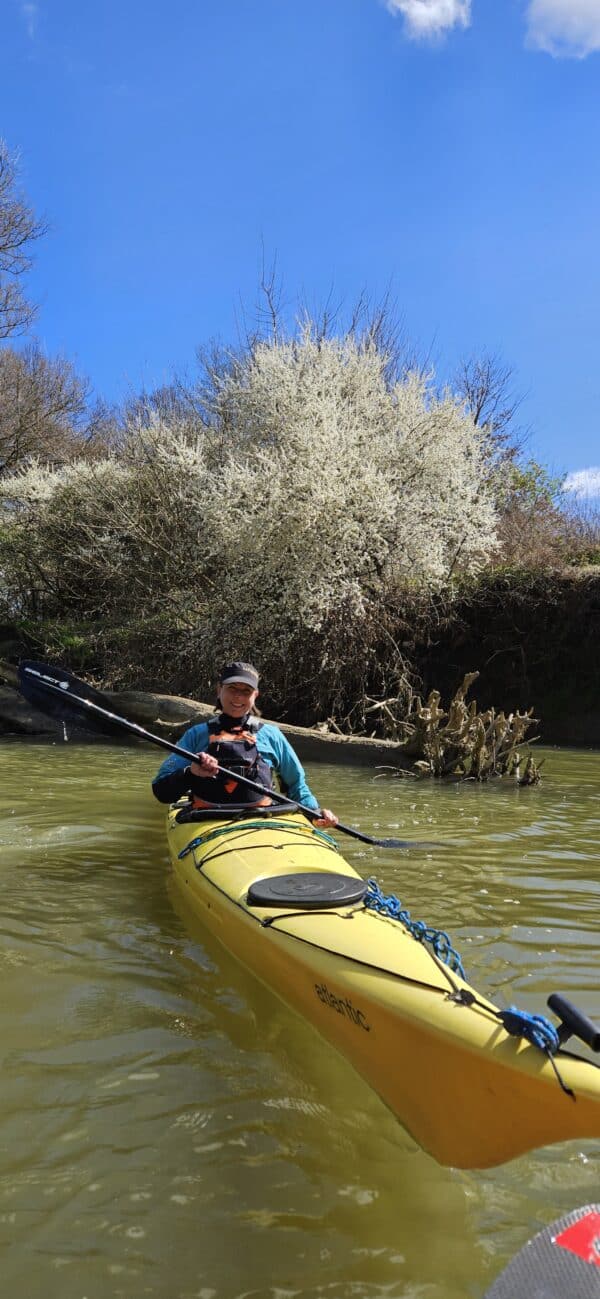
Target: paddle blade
{"points": [[394, 843], [425, 844], [561, 1262], [63, 696]]}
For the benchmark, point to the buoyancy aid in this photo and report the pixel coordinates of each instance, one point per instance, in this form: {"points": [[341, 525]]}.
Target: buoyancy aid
{"points": [[234, 747]]}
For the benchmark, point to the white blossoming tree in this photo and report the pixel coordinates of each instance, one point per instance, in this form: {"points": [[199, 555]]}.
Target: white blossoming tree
{"points": [[316, 490]]}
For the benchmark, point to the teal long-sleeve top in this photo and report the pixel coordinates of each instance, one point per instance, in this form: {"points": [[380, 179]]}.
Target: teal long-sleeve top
{"points": [[172, 779]]}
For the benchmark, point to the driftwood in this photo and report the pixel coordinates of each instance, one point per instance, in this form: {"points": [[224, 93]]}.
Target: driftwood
{"points": [[168, 716], [464, 743]]}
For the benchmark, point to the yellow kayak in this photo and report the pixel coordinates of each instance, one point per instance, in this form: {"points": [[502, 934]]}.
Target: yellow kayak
{"points": [[278, 894]]}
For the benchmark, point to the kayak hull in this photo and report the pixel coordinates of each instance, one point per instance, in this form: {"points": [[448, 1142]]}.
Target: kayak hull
{"points": [[469, 1094]]}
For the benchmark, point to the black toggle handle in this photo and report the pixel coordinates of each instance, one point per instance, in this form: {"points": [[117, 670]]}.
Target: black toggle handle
{"points": [[573, 1021]]}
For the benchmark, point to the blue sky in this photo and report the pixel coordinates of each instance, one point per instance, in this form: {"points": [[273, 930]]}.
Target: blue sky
{"points": [[445, 151]]}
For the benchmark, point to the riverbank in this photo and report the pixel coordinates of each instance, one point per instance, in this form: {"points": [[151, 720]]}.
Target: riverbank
{"points": [[169, 715], [533, 638]]}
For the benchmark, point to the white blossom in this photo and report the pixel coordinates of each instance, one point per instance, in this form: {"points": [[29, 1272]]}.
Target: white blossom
{"points": [[318, 488]]}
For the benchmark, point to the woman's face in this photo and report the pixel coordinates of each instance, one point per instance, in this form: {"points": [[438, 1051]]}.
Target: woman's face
{"points": [[236, 698]]}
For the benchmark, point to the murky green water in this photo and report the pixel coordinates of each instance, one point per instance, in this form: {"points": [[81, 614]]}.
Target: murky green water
{"points": [[169, 1129]]}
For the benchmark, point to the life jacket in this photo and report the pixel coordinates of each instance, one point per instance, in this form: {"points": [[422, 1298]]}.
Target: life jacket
{"points": [[235, 748]]}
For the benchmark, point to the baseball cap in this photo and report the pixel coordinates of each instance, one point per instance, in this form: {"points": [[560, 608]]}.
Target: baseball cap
{"points": [[243, 672]]}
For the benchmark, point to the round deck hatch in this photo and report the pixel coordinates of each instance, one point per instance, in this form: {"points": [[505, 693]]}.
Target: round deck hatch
{"points": [[307, 890]]}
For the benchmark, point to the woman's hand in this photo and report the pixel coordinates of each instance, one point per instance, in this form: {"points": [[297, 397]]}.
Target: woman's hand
{"points": [[327, 820], [205, 765]]}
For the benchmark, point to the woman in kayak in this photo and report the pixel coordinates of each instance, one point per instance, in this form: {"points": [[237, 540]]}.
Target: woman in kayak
{"points": [[237, 740]]}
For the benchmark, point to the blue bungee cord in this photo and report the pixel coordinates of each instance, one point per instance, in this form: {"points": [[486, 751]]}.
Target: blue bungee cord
{"points": [[241, 826], [438, 940], [536, 1029]]}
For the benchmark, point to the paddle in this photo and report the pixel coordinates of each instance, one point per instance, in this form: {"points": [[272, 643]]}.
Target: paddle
{"points": [[562, 1260], [60, 694]]}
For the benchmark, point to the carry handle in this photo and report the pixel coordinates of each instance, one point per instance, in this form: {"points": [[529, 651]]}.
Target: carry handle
{"points": [[573, 1021]]}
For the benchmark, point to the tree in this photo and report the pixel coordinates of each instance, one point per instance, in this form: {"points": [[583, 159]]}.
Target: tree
{"points": [[485, 385], [309, 501], [540, 526], [44, 410], [19, 228], [334, 488]]}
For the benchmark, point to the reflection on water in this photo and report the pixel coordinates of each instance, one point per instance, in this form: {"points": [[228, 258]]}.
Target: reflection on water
{"points": [[169, 1129]]}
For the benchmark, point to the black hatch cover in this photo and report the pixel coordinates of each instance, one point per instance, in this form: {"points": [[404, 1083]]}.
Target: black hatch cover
{"points": [[307, 890]]}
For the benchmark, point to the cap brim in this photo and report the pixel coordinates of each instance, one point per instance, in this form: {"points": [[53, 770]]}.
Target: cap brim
{"points": [[243, 681]]}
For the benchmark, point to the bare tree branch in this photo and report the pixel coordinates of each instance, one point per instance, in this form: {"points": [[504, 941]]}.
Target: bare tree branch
{"points": [[486, 385], [19, 228], [44, 410]]}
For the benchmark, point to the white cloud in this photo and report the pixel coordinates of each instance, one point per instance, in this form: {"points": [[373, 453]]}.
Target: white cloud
{"points": [[570, 28], [425, 18], [30, 13], [583, 482]]}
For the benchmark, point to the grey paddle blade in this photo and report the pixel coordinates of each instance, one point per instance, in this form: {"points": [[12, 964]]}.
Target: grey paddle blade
{"points": [[63, 696], [561, 1262]]}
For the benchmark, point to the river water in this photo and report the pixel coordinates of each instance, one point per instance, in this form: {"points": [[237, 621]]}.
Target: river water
{"points": [[169, 1129]]}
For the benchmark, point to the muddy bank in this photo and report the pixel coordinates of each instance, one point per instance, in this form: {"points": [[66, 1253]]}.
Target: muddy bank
{"points": [[535, 640]]}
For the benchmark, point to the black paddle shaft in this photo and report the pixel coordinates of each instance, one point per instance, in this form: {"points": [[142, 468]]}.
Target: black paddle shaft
{"points": [[49, 689]]}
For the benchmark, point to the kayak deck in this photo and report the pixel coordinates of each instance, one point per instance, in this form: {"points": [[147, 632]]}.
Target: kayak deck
{"points": [[469, 1093]]}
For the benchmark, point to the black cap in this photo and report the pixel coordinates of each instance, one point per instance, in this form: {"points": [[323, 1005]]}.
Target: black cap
{"points": [[243, 672]]}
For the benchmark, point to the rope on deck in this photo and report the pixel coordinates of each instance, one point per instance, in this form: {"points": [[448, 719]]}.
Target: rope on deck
{"points": [[437, 939]]}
